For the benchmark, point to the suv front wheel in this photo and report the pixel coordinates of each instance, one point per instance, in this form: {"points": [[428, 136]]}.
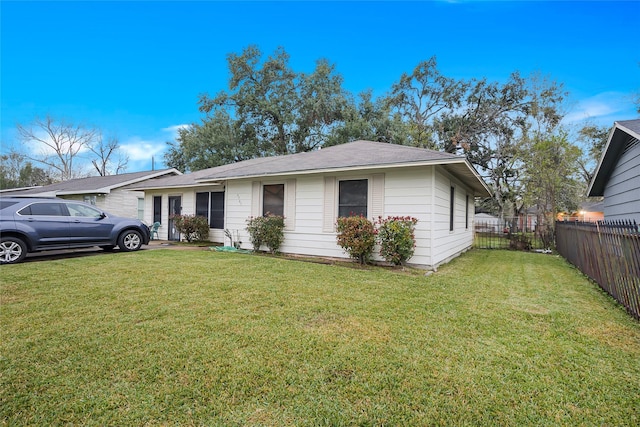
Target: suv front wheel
{"points": [[130, 240], [12, 250]]}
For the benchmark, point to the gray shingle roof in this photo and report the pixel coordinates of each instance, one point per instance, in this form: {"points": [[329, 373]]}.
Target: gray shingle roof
{"points": [[632, 125], [352, 155], [345, 156], [94, 184]]}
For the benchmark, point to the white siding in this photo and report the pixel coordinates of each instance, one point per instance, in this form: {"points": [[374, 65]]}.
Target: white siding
{"points": [[420, 192], [622, 192], [122, 203], [238, 209], [448, 244], [408, 192]]}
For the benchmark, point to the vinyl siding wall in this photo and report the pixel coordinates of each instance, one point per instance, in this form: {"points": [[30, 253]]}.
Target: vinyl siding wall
{"points": [[122, 203], [311, 206], [622, 192], [446, 243]]}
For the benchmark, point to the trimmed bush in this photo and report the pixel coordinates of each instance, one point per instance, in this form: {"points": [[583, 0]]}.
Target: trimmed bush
{"points": [[266, 230], [356, 235], [191, 227], [397, 239]]}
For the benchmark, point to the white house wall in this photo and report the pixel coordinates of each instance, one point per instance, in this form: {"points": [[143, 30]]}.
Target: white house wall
{"points": [[421, 192], [448, 244], [122, 203]]}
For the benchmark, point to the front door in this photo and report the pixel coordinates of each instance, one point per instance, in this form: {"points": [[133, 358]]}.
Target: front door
{"points": [[175, 208]]}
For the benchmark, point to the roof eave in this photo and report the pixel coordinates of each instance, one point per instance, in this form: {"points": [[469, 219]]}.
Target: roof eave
{"points": [[607, 161], [334, 170]]}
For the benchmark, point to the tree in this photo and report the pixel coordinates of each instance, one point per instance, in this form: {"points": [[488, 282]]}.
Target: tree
{"points": [[16, 172], [59, 144], [552, 180], [370, 120], [216, 141], [594, 138], [421, 97], [492, 124], [283, 111], [105, 150]]}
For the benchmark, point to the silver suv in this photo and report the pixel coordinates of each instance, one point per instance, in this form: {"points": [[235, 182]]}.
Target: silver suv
{"points": [[39, 224]]}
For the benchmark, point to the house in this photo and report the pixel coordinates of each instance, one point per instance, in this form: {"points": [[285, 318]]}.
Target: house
{"points": [[617, 176], [589, 211], [106, 192], [312, 189], [487, 223]]}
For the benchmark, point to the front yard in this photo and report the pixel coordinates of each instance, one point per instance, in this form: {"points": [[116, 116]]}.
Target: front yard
{"points": [[168, 337]]}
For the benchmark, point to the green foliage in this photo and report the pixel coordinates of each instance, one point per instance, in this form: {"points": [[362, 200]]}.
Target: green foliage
{"points": [[356, 235], [214, 142], [396, 238], [279, 110], [370, 120], [266, 230], [551, 176], [16, 172], [519, 242], [594, 139], [193, 228]]}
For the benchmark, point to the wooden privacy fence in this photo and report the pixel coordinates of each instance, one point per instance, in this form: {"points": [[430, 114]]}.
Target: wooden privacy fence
{"points": [[607, 252]]}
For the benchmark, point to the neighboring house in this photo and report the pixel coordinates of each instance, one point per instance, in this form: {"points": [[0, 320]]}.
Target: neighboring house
{"points": [[617, 176], [312, 189], [487, 223], [106, 192], [589, 211]]}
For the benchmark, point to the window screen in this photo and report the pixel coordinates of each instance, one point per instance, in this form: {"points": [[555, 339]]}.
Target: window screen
{"points": [[217, 210], [273, 199], [157, 208], [352, 198]]}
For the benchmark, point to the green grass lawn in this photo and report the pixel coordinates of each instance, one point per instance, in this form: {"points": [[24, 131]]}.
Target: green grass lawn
{"points": [[169, 337]]}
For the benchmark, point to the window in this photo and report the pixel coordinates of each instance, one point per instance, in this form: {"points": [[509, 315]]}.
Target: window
{"points": [[217, 210], [141, 208], [466, 215], [273, 199], [211, 206], [90, 199], [83, 211], [452, 200], [45, 209], [352, 198], [157, 208]]}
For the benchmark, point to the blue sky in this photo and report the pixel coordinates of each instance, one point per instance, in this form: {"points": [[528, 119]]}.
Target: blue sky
{"points": [[135, 69]]}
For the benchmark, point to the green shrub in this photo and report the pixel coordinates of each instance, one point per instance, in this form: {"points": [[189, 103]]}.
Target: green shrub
{"points": [[356, 235], [266, 230], [397, 239], [191, 227]]}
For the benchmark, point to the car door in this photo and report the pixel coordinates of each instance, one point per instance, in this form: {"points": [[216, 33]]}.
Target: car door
{"points": [[46, 224], [88, 225]]}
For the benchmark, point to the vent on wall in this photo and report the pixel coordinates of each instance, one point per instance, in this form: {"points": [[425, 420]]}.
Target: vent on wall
{"points": [[631, 143]]}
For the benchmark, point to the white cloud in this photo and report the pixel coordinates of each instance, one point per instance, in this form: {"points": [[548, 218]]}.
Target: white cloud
{"points": [[138, 149], [606, 107], [174, 129]]}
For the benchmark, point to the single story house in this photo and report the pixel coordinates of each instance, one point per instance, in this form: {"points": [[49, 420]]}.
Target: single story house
{"points": [[589, 211], [487, 223], [312, 189], [106, 192], [617, 176]]}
